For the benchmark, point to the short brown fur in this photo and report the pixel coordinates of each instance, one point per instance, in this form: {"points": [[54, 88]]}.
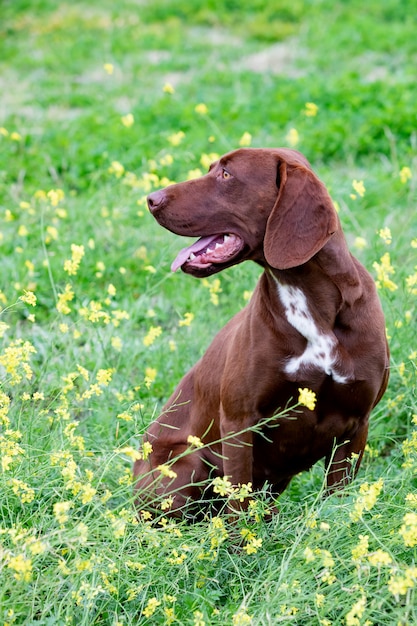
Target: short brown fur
{"points": [[285, 221]]}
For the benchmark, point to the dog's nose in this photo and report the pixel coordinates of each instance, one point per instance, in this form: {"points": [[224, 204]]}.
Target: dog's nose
{"points": [[155, 200]]}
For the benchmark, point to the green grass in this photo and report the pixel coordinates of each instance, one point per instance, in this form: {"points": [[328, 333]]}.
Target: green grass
{"points": [[78, 387]]}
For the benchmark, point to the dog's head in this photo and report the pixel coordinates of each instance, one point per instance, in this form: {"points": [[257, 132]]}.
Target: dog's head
{"points": [[266, 205]]}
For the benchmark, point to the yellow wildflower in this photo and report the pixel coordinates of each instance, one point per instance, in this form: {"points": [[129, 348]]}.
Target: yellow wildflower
{"points": [[361, 549], [307, 398], [167, 503], [87, 493], [385, 234], [309, 554], [111, 290], [127, 120], [4, 409], [146, 449], [353, 618], [35, 546], [176, 558], [201, 109], [63, 299], [408, 530], [411, 498], [207, 159], [72, 265], [151, 607], [152, 334], [166, 471], [245, 140], [368, 495], [61, 510], [117, 343], [359, 187], [25, 493], [126, 417], [360, 243], [100, 267], [411, 282], [253, 543], [118, 527], [241, 618], [192, 174], [150, 376], [103, 377], [15, 360], [310, 109], [168, 88], [222, 486], [327, 558], [93, 390], [187, 319], [217, 533], [378, 558], [242, 491], [176, 138], [214, 287], [55, 196], [21, 566], [30, 266], [83, 372], [29, 298], [198, 619], [384, 270], [195, 441], [292, 137], [94, 313], [405, 174], [130, 452], [117, 169], [399, 584]]}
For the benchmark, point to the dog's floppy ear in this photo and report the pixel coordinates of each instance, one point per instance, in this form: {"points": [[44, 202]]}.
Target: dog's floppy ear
{"points": [[302, 220]]}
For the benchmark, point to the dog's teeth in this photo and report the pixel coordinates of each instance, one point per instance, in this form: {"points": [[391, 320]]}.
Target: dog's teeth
{"points": [[226, 238], [192, 256], [218, 245]]}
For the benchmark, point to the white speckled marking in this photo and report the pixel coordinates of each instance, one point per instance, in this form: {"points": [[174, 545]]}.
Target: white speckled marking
{"points": [[321, 347]]}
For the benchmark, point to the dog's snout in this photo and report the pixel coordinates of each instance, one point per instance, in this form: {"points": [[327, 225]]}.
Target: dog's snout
{"points": [[156, 200]]}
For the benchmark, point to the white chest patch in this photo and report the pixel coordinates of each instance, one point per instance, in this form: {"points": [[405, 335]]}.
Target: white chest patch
{"points": [[321, 349]]}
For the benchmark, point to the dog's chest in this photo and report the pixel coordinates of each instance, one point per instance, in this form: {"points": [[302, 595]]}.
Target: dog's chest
{"points": [[321, 349]]}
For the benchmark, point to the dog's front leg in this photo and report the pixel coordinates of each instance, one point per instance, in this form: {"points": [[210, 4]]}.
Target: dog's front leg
{"points": [[344, 463], [237, 452]]}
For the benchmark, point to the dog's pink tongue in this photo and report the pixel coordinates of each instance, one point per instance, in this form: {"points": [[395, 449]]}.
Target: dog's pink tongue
{"points": [[184, 254]]}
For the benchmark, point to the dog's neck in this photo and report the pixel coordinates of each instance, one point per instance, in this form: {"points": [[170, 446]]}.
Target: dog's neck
{"points": [[311, 298], [328, 282]]}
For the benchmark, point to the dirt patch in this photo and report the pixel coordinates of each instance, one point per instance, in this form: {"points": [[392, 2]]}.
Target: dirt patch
{"points": [[280, 58]]}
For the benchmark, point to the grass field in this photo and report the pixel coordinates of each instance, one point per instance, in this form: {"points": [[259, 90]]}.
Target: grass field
{"points": [[102, 102]]}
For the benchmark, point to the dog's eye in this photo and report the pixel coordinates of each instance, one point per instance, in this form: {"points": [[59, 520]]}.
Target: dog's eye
{"points": [[225, 174]]}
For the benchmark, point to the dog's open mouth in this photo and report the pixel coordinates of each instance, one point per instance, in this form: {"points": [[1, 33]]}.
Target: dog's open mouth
{"points": [[215, 249]]}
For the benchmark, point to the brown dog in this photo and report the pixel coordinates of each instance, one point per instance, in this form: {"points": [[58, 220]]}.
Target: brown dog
{"points": [[314, 321]]}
